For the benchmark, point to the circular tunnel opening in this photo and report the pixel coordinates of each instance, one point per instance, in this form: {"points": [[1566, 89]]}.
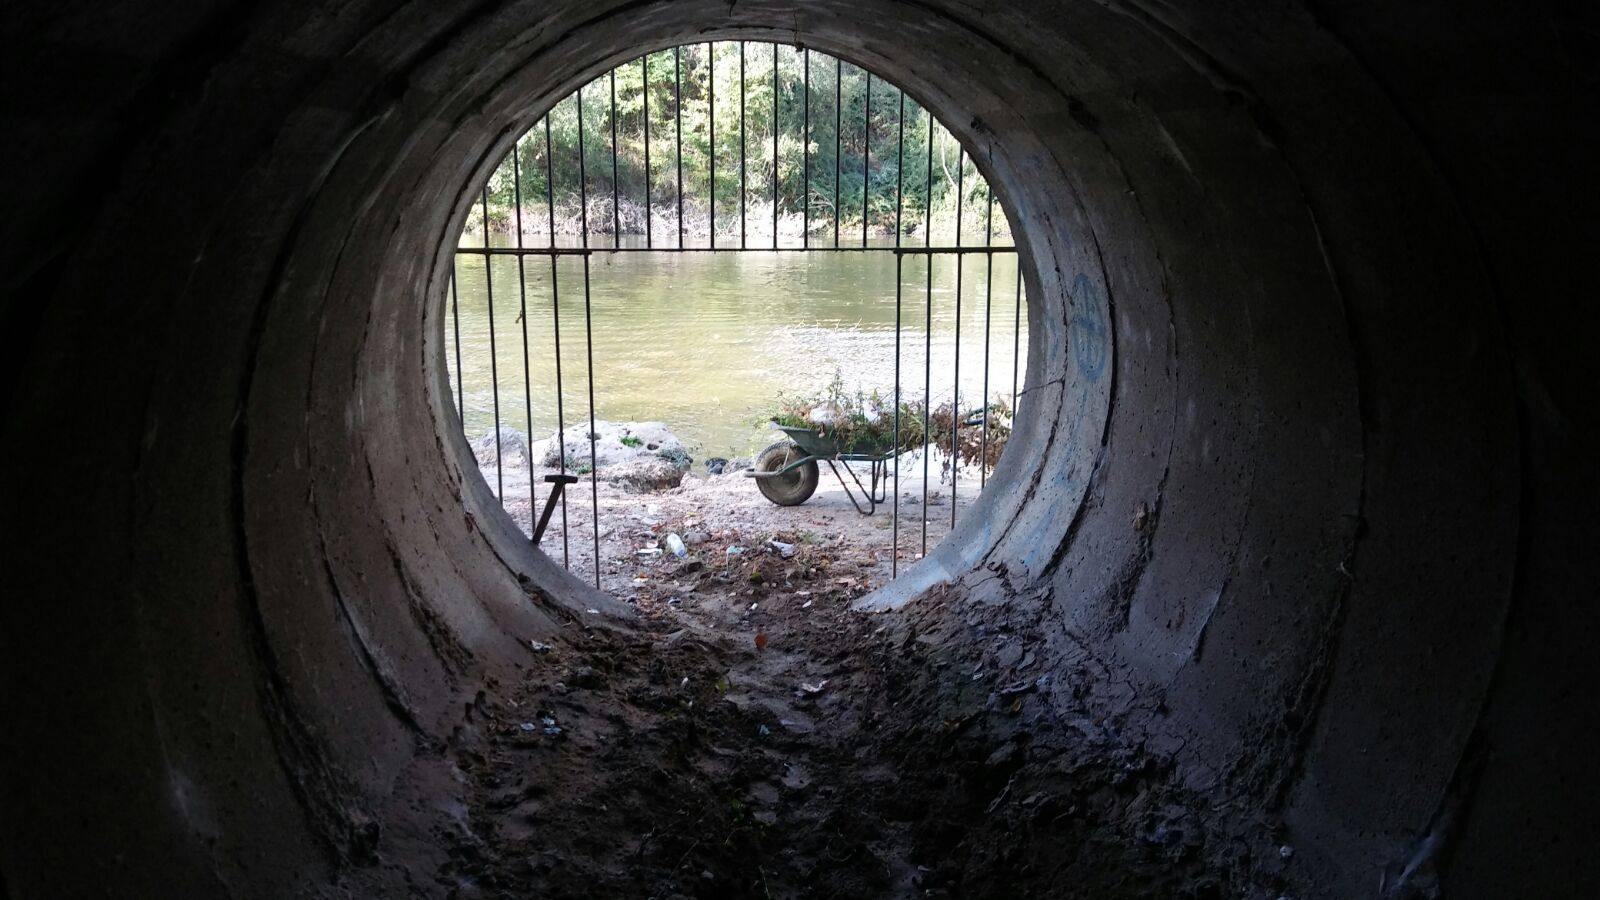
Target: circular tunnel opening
{"points": [[837, 322], [1238, 613]]}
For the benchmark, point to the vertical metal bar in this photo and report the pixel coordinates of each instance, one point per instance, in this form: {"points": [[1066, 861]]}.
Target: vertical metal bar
{"points": [[927, 203], [927, 346], [866, 160], [522, 316], [955, 395], [494, 376], [594, 456], [1016, 341], [927, 395], [711, 105], [774, 145], [583, 177], [899, 271], [677, 111], [988, 304], [899, 289], [555, 313], [616, 210], [644, 65], [742, 189], [455, 315], [900, 172], [805, 170], [838, 145]]}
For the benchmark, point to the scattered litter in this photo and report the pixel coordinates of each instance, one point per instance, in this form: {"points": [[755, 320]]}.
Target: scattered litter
{"points": [[763, 730], [684, 682], [806, 605], [754, 605], [761, 640], [1285, 851], [734, 550], [813, 688], [552, 729], [648, 552], [526, 726], [785, 550], [594, 612], [547, 720], [540, 646], [676, 546]]}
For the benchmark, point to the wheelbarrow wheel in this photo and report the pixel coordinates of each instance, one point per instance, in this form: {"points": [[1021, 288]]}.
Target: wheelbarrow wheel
{"points": [[793, 487]]}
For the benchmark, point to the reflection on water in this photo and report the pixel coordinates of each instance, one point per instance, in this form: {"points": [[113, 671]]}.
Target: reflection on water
{"points": [[706, 342]]}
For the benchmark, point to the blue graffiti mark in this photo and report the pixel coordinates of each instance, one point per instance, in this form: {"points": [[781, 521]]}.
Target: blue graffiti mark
{"points": [[1087, 329]]}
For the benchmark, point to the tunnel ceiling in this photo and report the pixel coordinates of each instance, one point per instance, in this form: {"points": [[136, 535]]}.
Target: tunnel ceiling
{"points": [[1312, 515]]}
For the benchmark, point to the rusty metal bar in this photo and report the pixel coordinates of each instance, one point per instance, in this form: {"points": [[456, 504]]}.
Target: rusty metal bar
{"points": [[494, 374], [616, 184], [900, 171], [455, 315], [1016, 343], [988, 305], [774, 145], [594, 436], [805, 141], [743, 190], [522, 317], [644, 65], [955, 380], [677, 115], [711, 104], [899, 279], [838, 145], [866, 160]]}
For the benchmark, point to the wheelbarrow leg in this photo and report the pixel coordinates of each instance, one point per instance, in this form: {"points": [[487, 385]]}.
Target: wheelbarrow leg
{"points": [[558, 484], [872, 502]]}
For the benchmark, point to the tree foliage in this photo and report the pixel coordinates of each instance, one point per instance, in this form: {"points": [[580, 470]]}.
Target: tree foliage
{"points": [[832, 157]]}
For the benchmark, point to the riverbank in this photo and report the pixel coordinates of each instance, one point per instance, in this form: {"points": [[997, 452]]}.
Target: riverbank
{"points": [[729, 530]]}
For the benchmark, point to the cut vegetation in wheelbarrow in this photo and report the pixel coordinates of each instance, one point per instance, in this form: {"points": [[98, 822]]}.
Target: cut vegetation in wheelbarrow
{"points": [[839, 428]]}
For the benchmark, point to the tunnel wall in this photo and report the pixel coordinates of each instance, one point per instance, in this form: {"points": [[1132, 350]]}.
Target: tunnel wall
{"points": [[1303, 495]]}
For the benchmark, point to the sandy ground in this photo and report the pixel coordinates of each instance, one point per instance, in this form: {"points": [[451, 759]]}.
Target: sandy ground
{"points": [[719, 514], [749, 735]]}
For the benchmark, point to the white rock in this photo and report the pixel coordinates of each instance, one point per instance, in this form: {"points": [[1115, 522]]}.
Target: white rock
{"points": [[644, 439]]}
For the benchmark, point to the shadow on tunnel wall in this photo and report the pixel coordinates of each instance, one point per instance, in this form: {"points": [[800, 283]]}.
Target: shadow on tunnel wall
{"points": [[1329, 495]]}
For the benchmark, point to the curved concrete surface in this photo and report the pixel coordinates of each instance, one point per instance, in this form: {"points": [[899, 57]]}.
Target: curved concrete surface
{"points": [[1306, 489]]}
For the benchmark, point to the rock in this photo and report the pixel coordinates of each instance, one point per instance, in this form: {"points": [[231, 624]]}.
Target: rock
{"points": [[645, 474], [513, 448], [615, 442], [677, 456], [715, 465], [737, 464]]}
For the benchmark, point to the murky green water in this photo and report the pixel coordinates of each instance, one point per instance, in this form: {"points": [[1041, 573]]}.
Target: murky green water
{"points": [[705, 342]]}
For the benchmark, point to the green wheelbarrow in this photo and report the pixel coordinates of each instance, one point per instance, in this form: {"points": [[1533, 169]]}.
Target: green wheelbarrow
{"points": [[787, 472]]}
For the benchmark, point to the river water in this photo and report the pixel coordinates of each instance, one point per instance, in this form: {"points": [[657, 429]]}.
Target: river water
{"points": [[707, 342]]}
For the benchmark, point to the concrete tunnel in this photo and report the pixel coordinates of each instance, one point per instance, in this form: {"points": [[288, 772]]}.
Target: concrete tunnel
{"points": [[1305, 496]]}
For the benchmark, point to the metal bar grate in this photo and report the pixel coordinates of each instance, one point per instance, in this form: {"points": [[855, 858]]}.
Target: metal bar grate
{"points": [[631, 108]]}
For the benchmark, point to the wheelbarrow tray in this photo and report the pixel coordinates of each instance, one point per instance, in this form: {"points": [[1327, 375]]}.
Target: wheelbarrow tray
{"points": [[824, 446]]}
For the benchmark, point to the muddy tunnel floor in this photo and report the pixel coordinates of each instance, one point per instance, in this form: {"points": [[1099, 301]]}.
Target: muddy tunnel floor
{"points": [[773, 743]]}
